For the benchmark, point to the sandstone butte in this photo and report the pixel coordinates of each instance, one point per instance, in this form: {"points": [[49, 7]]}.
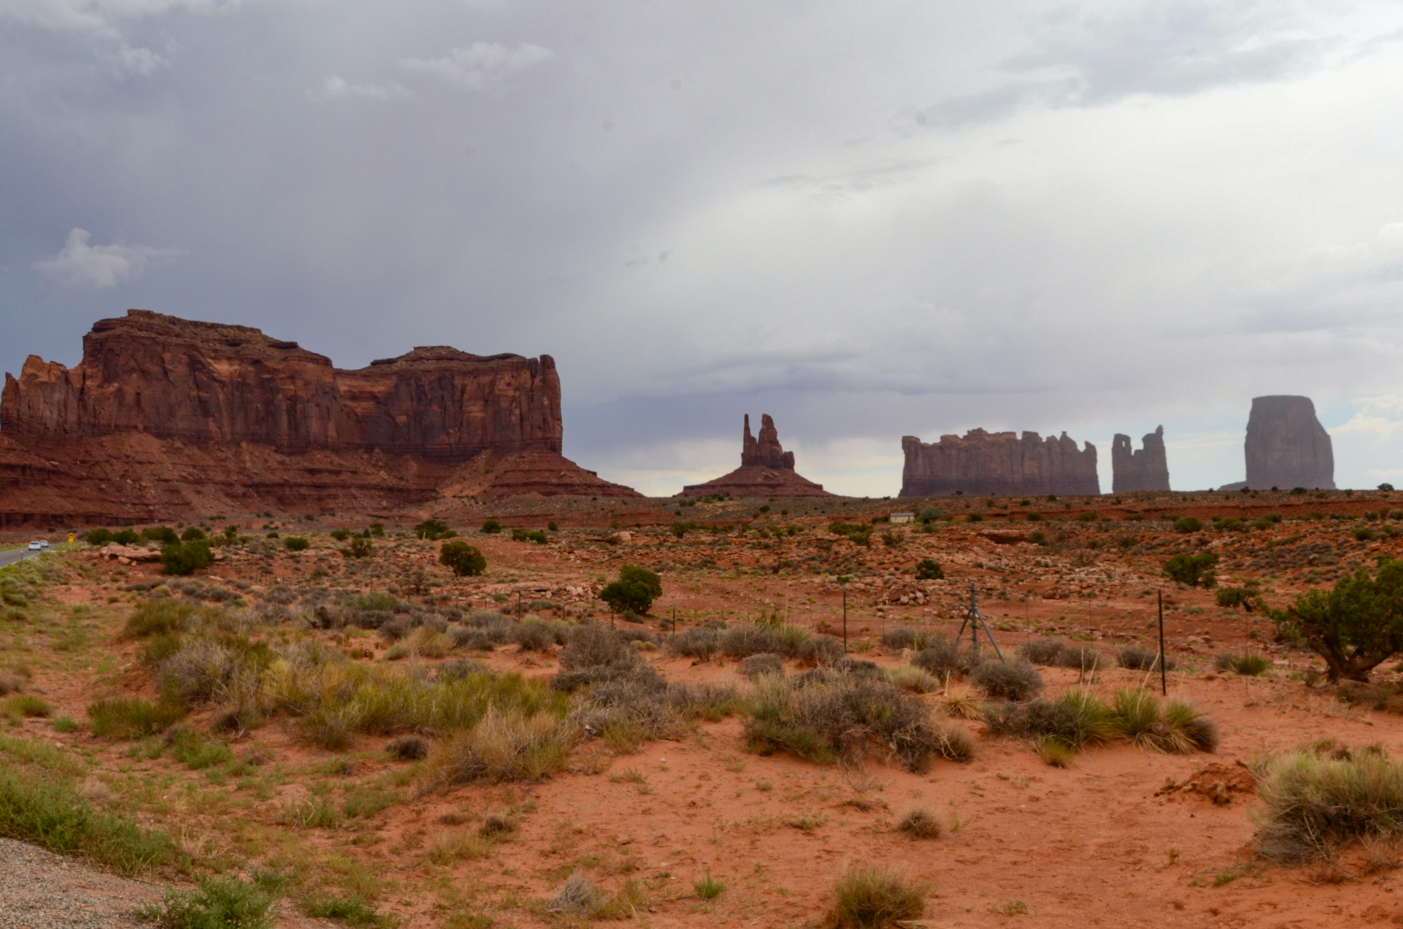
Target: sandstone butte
{"points": [[1142, 469], [766, 470], [997, 463], [166, 418], [1286, 446]]}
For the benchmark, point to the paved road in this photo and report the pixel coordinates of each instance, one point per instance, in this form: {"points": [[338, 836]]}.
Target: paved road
{"points": [[13, 555]]}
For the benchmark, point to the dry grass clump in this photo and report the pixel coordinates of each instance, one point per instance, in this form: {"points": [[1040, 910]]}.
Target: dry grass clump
{"points": [[906, 637], [1079, 718], [820, 651], [920, 824], [1249, 664], [827, 715], [458, 845], [755, 666], [763, 638], [503, 746], [13, 680], [408, 748], [1057, 653], [1007, 680], [635, 705], [131, 718], [944, 659], [874, 896], [912, 678], [495, 824], [699, 643], [1139, 659], [1314, 803], [576, 895]]}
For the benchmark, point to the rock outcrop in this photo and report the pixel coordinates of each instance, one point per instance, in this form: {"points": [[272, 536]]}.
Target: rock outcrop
{"points": [[167, 418], [766, 470], [1145, 469], [998, 463], [1286, 446]]}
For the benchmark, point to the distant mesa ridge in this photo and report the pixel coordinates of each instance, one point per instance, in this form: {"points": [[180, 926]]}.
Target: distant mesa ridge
{"points": [[766, 470], [1286, 446], [167, 417], [1142, 469], [998, 463]]}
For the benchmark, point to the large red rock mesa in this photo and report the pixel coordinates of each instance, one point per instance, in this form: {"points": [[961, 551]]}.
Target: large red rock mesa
{"points": [[766, 470], [1141, 469], [166, 417], [1286, 446], [997, 463]]}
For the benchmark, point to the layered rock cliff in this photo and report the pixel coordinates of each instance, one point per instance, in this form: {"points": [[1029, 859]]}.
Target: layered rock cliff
{"points": [[997, 463], [166, 417], [766, 470], [1286, 446], [1142, 469]]}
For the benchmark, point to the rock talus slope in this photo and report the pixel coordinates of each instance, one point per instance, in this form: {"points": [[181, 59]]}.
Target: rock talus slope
{"points": [[766, 470], [1142, 469], [998, 463], [169, 417], [1286, 445]]}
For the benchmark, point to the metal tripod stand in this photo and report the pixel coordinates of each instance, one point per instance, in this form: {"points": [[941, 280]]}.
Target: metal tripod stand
{"points": [[975, 620]]}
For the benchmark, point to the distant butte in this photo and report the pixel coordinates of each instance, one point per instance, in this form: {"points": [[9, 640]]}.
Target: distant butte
{"points": [[170, 418], [998, 463], [766, 470]]}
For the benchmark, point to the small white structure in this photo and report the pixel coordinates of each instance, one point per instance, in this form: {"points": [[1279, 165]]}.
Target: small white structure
{"points": [[902, 517]]}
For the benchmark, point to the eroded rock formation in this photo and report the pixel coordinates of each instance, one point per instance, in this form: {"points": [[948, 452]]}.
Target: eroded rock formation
{"points": [[766, 470], [166, 417], [997, 463], [1142, 469], [1286, 446]]}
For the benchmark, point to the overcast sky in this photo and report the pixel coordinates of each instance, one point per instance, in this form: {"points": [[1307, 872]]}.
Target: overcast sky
{"points": [[867, 219]]}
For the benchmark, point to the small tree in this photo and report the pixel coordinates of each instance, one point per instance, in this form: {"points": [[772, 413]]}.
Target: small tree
{"points": [[1193, 570], [627, 596], [1231, 597], [928, 570], [649, 579], [186, 557], [1354, 627], [192, 534], [360, 548], [491, 526], [463, 559], [433, 529]]}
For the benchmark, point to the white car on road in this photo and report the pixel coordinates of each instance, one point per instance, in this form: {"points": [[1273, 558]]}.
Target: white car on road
{"points": [[38, 545]]}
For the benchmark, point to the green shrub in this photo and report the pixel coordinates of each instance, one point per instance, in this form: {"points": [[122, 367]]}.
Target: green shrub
{"points": [[699, 643], [126, 537], [433, 530], [1140, 659], [929, 570], [216, 903], [1354, 627], [943, 658], [975, 518], [1188, 524], [1230, 597], [709, 888], [874, 897], [854, 532], [353, 910], [1037, 537], [1364, 534], [158, 617], [131, 718], [491, 526], [1193, 570], [1007, 680], [193, 534], [463, 559], [183, 558], [28, 705], [759, 638], [197, 751], [340, 535], [47, 811], [163, 534], [97, 536], [359, 548], [1313, 804], [296, 543], [1248, 663]]}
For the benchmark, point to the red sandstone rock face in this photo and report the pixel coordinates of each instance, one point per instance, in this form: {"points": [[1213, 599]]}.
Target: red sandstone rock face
{"points": [[169, 418], [1286, 446], [998, 463], [766, 470], [1143, 469]]}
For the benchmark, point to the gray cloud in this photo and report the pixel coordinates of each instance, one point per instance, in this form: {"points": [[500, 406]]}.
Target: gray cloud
{"points": [[1114, 214]]}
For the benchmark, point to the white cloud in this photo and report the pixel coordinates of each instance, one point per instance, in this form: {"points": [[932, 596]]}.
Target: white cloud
{"points": [[139, 61], [481, 64], [336, 87], [100, 266], [97, 16]]}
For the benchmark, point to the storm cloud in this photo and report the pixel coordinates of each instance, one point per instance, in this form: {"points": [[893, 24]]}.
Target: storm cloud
{"points": [[866, 220]]}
